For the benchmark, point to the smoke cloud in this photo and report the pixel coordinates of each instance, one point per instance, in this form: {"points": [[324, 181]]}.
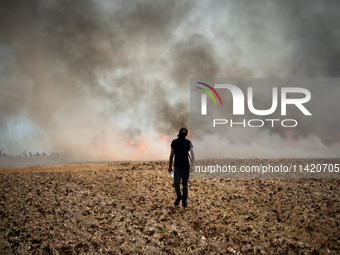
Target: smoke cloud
{"points": [[105, 80]]}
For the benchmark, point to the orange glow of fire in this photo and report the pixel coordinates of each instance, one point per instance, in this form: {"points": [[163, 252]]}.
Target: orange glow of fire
{"points": [[337, 139], [104, 154], [163, 138], [288, 136], [137, 146], [100, 151], [141, 145], [189, 136], [98, 148]]}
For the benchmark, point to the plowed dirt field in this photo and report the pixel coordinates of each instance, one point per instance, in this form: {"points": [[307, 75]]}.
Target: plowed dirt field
{"points": [[127, 208]]}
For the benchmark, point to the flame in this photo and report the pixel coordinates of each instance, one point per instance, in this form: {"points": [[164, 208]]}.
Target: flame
{"points": [[151, 144], [141, 145], [137, 146], [101, 153], [163, 138], [99, 149]]}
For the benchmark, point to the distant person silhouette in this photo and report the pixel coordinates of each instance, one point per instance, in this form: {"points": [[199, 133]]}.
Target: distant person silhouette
{"points": [[180, 148]]}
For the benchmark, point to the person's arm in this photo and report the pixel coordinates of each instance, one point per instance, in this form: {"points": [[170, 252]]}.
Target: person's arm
{"points": [[170, 160], [192, 159]]}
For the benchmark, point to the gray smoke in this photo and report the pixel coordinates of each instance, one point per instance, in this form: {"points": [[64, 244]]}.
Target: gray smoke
{"points": [[75, 76]]}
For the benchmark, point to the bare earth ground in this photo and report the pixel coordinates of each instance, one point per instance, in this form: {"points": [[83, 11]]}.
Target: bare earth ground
{"points": [[127, 208]]}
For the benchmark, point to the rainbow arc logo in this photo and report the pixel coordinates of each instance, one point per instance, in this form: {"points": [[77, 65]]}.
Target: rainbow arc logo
{"points": [[209, 93], [204, 97]]}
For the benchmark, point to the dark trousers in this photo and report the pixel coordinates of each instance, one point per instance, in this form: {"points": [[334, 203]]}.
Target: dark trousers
{"points": [[183, 174]]}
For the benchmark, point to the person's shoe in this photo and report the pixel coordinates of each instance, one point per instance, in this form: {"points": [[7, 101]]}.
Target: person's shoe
{"points": [[177, 201], [185, 206]]}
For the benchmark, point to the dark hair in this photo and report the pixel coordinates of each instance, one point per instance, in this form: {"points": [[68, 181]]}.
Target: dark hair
{"points": [[183, 129]]}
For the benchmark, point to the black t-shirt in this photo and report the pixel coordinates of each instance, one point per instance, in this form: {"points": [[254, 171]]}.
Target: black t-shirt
{"points": [[181, 150]]}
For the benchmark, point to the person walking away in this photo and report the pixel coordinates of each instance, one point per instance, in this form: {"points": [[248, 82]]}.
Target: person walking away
{"points": [[180, 148]]}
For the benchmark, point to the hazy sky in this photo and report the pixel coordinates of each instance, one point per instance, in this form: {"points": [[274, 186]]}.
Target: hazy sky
{"points": [[110, 79]]}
